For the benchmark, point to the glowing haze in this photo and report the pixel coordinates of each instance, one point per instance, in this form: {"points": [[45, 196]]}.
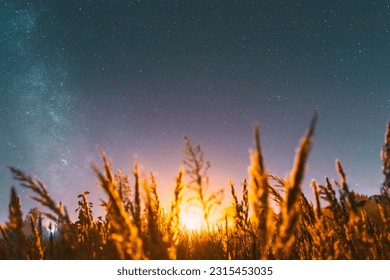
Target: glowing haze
{"points": [[135, 77]]}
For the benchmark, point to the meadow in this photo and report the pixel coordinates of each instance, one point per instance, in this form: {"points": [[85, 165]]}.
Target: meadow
{"points": [[269, 217]]}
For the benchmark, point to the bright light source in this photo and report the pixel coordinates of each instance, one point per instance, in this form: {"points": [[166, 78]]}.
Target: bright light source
{"points": [[192, 219]]}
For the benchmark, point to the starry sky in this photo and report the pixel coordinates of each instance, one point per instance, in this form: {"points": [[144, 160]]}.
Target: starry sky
{"points": [[135, 77]]}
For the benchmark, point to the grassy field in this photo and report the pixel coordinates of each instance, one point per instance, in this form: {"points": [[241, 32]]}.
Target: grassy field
{"points": [[270, 217]]}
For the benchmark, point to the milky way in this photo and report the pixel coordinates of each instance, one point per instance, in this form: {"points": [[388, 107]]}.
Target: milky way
{"points": [[36, 107], [135, 77]]}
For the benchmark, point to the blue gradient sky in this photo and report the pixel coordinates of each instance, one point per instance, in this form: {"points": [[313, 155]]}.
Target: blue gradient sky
{"points": [[135, 77]]}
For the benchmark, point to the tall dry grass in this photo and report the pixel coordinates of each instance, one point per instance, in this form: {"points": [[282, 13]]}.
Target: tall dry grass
{"points": [[270, 217]]}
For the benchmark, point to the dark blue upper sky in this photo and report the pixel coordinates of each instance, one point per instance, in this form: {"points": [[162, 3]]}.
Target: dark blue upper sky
{"points": [[135, 77]]}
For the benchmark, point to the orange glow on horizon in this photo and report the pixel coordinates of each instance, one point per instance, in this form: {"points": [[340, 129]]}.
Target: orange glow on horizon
{"points": [[191, 218]]}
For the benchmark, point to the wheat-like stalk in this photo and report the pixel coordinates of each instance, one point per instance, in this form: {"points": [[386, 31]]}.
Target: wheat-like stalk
{"points": [[290, 213], [124, 233]]}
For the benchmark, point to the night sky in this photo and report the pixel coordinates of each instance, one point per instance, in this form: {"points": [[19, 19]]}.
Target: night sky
{"points": [[135, 77]]}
